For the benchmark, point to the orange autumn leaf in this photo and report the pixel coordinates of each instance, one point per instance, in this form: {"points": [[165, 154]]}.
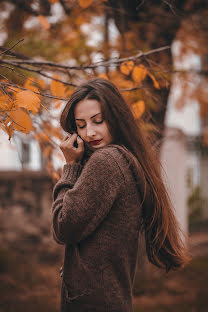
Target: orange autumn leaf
{"points": [[57, 105], [56, 132], [155, 82], [68, 93], [21, 120], [41, 83], [139, 73], [57, 88], [47, 151], [29, 100], [104, 76], [44, 22], [53, 1], [138, 109], [28, 85], [44, 137], [5, 103], [85, 3], [126, 67], [10, 130], [15, 89], [1, 127]]}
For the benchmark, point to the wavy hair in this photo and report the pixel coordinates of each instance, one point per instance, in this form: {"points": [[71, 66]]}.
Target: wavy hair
{"points": [[164, 244]]}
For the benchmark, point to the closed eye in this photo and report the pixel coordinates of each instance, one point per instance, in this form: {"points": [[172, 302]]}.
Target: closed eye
{"points": [[81, 127], [99, 122]]}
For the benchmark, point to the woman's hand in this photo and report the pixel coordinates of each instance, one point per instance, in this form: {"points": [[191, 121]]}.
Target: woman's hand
{"points": [[71, 153]]}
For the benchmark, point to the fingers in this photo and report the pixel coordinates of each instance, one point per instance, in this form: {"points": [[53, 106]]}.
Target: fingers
{"points": [[80, 143], [69, 139]]}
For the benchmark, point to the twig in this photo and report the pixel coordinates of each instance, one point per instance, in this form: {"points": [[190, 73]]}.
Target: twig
{"points": [[42, 74], [8, 85], [14, 45], [112, 61]]}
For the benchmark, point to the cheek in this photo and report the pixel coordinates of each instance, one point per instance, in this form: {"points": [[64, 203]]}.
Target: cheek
{"points": [[107, 132], [80, 133]]}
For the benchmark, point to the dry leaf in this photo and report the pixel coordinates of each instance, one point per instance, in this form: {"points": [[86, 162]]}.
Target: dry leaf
{"points": [[1, 127], [47, 151], [44, 22], [21, 120], [126, 67], [5, 102], [57, 88], [29, 100], [9, 129], [139, 73], [28, 85], [104, 76], [68, 93], [155, 82], [41, 83], [85, 3], [138, 109], [58, 105]]}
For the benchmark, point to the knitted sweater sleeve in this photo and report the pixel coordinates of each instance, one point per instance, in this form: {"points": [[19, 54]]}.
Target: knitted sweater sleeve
{"points": [[82, 201]]}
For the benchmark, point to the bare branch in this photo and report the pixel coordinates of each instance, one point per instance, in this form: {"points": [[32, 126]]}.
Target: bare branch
{"points": [[109, 62], [14, 45]]}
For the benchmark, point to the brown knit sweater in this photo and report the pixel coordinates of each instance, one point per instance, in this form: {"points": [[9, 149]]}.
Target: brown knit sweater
{"points": [[97, 215]]}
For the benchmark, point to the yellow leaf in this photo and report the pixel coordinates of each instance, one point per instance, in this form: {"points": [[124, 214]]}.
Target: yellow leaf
{"points": [[155, 83], [126, 67], [57, 88], [29, 100], [85, 3], [139, 73], [138, 109], [21, 120], [44, 22], [41, 83]]}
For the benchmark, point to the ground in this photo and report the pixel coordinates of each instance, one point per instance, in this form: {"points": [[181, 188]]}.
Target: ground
{"points": [[31, 282]]}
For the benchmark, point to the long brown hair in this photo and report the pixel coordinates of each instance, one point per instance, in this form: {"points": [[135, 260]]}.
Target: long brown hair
{"points": [[164, 245]]}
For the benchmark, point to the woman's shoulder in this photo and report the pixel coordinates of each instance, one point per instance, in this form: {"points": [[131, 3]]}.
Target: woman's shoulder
{"points": [[113, 153]]}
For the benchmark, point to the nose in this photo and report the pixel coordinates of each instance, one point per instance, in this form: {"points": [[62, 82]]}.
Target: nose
{"points": [[90, 131]]}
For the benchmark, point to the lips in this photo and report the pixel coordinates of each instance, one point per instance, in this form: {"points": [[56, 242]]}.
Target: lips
{"points": [[95, 142]]}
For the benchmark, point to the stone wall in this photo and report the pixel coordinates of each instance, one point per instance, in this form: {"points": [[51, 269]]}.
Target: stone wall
{"points": [[25, 209]]}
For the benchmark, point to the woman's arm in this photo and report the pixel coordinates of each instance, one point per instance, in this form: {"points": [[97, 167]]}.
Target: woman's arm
{"points": [[78, 209]]}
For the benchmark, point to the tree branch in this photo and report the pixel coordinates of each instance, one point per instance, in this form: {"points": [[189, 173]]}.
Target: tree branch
{"points": [[109, 62]]}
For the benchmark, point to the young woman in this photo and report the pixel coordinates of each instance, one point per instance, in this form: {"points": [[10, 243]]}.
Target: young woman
{"points": [[110, 191]]}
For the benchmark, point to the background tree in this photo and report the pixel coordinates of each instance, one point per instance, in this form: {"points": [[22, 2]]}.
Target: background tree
{"points": [[144, 78]]}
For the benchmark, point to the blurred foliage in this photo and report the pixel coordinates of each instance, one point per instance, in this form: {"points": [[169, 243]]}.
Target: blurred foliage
{"points": [[68, 40], [195, 203]]}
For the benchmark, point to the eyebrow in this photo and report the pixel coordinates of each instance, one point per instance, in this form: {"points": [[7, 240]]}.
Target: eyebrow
{"points": [[90, 117]]}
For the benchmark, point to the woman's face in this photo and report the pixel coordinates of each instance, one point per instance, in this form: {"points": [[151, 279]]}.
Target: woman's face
{"points": [[90, 124]]}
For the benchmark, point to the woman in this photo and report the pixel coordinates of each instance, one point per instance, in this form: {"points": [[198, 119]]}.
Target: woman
{"points": [[110, 191]]}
